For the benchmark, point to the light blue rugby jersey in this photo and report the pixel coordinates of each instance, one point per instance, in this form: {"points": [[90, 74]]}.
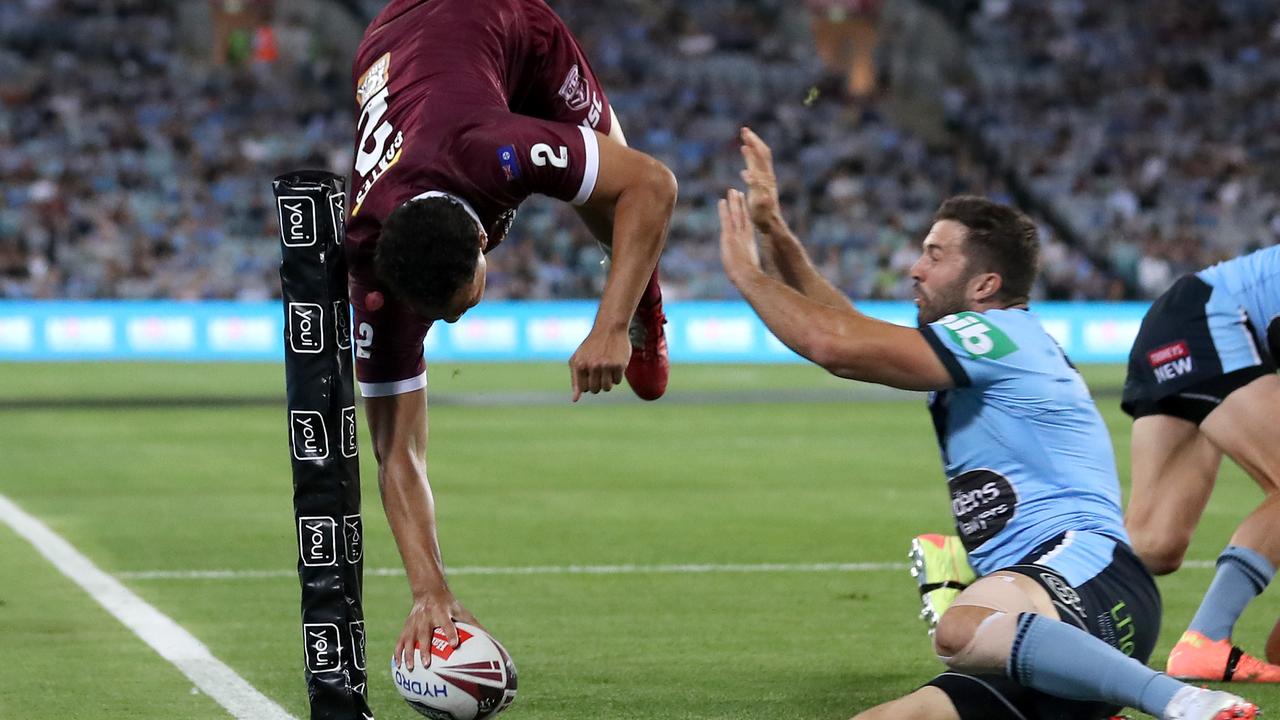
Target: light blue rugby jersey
{"points": [[1253, 281], [1026, 453]]}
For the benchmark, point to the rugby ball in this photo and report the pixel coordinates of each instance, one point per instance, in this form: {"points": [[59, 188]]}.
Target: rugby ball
{"points": [[473, 681]]}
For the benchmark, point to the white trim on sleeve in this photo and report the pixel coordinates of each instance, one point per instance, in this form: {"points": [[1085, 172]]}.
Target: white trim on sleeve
{"points": [[592, 169], [395, 387]]}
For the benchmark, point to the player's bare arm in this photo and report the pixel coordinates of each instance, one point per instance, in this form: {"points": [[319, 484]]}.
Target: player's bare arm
{"points": [[840, 339], [398, 426], [599, 218], [639, 193], [781, 251]]}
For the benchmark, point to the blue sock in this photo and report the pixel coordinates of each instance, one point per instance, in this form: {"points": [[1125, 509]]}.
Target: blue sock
{"points": [[1242, 574], [1062, 660]]}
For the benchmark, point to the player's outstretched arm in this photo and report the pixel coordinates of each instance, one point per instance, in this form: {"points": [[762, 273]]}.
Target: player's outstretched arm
{"points": [[840, 339], [398, 426], [784, 256], [639, 193]]}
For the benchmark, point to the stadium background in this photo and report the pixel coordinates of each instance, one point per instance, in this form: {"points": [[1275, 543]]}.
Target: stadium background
{"points": [[137, 139]]}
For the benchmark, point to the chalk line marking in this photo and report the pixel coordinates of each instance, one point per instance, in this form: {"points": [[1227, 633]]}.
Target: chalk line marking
{"points": [[156, 629], [682, 569]]}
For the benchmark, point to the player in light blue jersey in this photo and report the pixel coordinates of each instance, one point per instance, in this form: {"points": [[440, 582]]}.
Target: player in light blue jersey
{"points": [[1202, 383], [1064, 614]]}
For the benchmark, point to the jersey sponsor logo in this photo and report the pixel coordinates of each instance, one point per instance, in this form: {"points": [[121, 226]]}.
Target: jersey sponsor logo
{"points": [[509, 161], [376, 150], [982, 502], [1171, 361], [977, 336], [373, 79], [324, 650], [1124, 627]]}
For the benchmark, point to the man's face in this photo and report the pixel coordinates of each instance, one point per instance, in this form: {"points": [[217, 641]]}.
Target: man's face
{"points": [[467, 297], [941, 276]]}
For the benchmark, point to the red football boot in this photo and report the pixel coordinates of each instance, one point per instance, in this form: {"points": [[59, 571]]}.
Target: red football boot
{"points": [[649, 367]]}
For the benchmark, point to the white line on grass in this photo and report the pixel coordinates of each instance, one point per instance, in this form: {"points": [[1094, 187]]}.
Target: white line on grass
{"points": [[685, 569], [526, 570], [164, 635]]}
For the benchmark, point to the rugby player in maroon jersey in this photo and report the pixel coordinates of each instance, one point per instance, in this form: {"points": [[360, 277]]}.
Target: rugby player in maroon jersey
{"points": [[465, 109]]}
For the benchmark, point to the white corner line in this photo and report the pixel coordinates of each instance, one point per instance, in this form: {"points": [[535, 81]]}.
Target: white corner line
{"points": [[156, 629]]}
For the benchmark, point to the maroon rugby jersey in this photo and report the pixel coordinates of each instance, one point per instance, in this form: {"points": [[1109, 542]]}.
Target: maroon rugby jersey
{"points": [[490, 101]]}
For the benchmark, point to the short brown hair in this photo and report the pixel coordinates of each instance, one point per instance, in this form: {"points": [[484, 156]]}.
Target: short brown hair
{"points": [[1000, 239]]}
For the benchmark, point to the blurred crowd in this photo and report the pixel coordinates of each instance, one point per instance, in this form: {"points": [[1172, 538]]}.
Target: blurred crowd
{"points": [[1155, 134], [132, 166]]}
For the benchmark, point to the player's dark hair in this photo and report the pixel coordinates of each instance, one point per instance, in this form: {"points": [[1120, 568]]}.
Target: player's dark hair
{"points": [[427, 250], [1000, 239]]}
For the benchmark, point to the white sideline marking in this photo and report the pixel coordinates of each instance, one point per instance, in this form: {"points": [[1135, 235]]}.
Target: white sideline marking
{"points": [[693, 569], [530, 570], [155, 628]]}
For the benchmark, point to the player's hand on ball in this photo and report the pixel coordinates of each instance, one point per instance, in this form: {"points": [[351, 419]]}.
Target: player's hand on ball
{"points": [[427, 614], [599, 362], [762, 184], [738, 249]]}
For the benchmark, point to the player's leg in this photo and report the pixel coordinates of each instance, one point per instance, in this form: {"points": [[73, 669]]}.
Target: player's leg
{"points": [[1173, 470], [927, 703], [1242, 427], [1007, 623]]}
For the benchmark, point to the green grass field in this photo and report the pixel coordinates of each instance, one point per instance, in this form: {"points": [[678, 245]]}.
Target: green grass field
{"points": [[740, 464]]}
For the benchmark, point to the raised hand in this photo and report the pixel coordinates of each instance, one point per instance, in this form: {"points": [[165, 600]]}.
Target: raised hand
{"points": [[762, 185]]}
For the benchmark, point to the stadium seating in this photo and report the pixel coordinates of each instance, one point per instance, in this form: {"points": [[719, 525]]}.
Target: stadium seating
{"points": [[133, 166]]}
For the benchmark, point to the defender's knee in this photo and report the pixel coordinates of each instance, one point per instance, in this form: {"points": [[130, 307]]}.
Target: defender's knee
{"points": [[1161, 551], [985, 647], [975, 635], [956, 629]]}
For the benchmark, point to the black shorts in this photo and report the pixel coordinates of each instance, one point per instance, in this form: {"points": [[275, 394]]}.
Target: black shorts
{"points": [[1119, 605], [1195, 347]]}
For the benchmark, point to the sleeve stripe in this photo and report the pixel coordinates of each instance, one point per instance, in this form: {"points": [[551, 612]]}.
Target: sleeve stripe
{"points": [[395, 387], [592, 169], [958, 375]]}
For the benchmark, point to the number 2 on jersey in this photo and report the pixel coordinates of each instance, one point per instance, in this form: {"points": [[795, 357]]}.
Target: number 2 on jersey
{"points": [[541, 154]]}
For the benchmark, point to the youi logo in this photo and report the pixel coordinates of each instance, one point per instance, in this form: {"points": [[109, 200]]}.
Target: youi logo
{"points": [[297, 220], [307, 435], [324, 648], [317, 541], [306, 327]]}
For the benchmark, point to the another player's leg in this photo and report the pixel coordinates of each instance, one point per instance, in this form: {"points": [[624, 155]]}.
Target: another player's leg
{"points": [[1174, 467], [1242, 427], [1006, 623], [927, 703], [941, 568]]}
